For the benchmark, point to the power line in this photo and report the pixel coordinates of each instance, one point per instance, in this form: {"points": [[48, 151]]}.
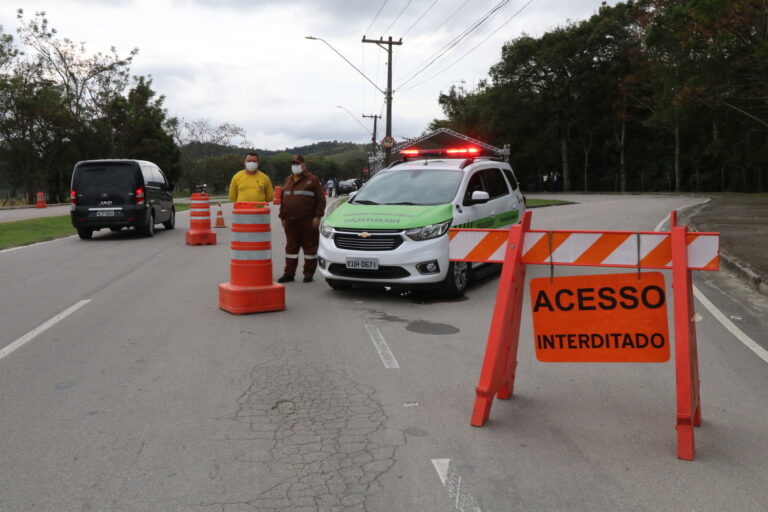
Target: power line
{"points": [[449, 18], [420, 17], [441, 25], [515, 15], [397, 18], [376, 17], [452, 44]]}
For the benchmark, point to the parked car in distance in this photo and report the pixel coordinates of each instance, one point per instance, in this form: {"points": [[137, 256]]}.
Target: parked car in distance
{"points": [[347, 186], [116, 194]]}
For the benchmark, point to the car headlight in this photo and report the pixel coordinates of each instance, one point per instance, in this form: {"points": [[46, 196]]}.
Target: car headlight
{"points": [[429, 232], [326, 230]]}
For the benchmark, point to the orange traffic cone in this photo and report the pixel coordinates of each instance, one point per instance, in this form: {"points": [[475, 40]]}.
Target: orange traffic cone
{"points": [[250, 288], [220, 219], [40, 200]]}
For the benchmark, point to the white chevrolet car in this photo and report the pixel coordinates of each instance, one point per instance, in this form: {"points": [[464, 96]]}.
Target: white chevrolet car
{"points": [[394, 231]]}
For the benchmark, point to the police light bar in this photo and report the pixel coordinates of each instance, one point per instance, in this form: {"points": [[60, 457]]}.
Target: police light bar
{"points": [[471, 151]]}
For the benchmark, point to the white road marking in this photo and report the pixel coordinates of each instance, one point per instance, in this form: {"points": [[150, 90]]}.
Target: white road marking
{"points": [[720, 317], [381, 346], [738, 333], [35, 245], [451, 480], [42, 328]]}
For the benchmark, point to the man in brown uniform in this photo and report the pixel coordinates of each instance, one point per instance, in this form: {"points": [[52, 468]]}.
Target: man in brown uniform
{"points": [[302, 206]]}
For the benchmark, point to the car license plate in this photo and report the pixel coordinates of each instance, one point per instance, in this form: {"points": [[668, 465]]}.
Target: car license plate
{"points": [[105, 213], [363, 263]]}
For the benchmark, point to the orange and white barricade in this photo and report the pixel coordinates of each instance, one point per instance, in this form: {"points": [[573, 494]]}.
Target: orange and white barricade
{"points": [[250, 288], [40, 200], [586, 305], [200, 232], [278, 196]]}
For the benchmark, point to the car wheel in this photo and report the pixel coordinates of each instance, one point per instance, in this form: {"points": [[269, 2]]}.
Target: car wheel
{"points": [[455, 283], [85, 233], [338, 285], [171, 222], [148, 229]]}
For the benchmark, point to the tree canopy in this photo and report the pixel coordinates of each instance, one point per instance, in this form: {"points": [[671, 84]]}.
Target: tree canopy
{"points": [[651, 95]]}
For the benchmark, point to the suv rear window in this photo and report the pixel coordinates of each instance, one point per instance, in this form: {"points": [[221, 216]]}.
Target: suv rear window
{"points": [[105, 178]]}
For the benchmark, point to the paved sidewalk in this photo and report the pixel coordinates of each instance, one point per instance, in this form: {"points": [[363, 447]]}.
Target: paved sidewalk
{"points": [[742, 221]]}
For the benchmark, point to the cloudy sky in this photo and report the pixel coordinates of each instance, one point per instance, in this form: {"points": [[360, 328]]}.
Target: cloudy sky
{"points": [[247, 61]]}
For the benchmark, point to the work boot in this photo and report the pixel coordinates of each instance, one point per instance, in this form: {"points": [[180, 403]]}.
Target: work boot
{"points": [[285, 279], [307, 279]]}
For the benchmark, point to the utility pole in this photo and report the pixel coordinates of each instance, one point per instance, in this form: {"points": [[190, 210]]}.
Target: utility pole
{"points": [[373, 139], [380, 43]]}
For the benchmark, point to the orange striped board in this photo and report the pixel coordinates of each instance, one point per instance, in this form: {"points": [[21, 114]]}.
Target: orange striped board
{"points": [[628, 249]]}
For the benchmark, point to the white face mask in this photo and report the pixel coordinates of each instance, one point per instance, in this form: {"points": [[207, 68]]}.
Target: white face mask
{"points": [[251, 166], [296, 169]]}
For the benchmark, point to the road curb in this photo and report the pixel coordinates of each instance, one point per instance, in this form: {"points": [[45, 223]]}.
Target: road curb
{"points": [[730, 263]]}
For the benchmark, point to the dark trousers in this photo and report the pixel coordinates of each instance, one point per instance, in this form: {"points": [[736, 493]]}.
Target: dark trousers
{"points": [[300, 234]]}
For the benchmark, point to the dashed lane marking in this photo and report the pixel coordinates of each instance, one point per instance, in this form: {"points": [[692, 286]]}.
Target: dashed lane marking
{"points": [[42, 328], [451, 480], [386, 355]]}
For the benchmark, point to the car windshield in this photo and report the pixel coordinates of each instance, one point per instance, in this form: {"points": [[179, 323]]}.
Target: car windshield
{"points": [[418, 186]]}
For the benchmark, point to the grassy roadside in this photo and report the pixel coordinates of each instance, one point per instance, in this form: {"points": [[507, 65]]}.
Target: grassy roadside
{"points": [[538, 203], [32, 231]]}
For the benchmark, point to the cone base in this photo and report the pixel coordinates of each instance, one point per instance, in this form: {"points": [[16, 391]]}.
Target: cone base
{"points": [[241, 300], [201, 238]]}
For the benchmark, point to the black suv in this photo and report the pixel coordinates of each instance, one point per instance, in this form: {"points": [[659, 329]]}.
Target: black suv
{"points": [[120, 193]]}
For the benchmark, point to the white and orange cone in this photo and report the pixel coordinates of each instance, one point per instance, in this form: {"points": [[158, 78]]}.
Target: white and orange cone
{"points": [[220, 219]]}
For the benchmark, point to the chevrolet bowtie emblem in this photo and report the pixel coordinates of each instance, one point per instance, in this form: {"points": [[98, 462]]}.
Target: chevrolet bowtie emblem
{"points": [[364, 234]]}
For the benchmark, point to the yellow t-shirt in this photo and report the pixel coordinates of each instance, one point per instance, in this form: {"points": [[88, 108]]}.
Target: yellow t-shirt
{"points": [[251, 188]]}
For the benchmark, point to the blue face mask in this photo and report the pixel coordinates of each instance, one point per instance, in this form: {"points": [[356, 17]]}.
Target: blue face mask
{"points": [[251, 166], [296, 169]]}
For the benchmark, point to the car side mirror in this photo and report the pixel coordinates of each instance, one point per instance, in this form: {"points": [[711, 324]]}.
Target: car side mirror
{"points": [[478, 197]]}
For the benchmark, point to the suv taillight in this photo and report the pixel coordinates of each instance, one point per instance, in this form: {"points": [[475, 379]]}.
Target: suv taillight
{"points": [[73, 197], [140, 195]]}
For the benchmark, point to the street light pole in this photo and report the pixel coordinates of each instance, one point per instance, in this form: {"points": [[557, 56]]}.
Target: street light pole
{"points": [[356, 120], [313, 38]]}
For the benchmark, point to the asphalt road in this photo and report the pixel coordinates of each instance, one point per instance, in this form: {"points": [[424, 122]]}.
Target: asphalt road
{"points": [[150, 398]]}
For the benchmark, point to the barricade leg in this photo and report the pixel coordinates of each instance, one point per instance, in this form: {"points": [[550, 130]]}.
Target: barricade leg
{"points": [[497, 377], [686, 356]]}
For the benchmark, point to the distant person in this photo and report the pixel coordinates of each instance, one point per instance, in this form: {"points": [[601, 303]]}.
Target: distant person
{"points": [[331, 187], [301, 209], [251, 185]]}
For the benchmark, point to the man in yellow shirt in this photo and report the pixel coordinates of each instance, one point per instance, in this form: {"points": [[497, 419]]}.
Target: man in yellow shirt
{"points": [[251, 185]]}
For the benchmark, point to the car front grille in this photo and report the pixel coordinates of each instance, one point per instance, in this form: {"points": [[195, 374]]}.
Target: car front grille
{"points": [[373, 242], [383, 272]]}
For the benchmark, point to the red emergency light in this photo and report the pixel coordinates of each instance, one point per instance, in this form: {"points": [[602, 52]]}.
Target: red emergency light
{"points": [[470, 151]]}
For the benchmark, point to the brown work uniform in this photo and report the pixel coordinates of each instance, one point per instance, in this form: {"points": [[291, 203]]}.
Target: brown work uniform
{"points": [[302, 201]]}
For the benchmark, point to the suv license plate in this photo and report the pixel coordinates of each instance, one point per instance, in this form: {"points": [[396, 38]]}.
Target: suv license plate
{"points": [[363, 263], [105, 213]]}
